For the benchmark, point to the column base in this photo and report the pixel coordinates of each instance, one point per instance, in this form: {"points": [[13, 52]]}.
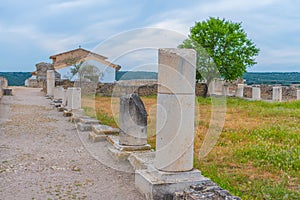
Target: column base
{"points": [[156, 185]]}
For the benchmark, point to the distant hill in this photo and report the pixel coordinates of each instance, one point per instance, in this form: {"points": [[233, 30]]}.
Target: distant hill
{"points": [[283, 78], [131, 75], [16, 78]]}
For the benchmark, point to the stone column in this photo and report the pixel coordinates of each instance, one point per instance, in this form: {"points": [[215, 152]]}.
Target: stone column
{"points": [[225, 90], [240, 91], [132, 121], [298, 94], [211, 87], [256, 93], [175, 110], [50, 82], [58, 92], [277, 94], [74, 98]]}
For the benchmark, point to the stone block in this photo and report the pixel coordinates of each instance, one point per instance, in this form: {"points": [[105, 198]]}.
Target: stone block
{"points": [[74, 98], [175, 132], [7, 91], [132, 121], [84, 127], [141, 160], [176, 71], [104, 130], [298, 94], [240, 91], [256, 93], [97, 137], [58, 93], [67, 113], [157, 185], [114, 140], [88, 120], [277, 94], [50, 82]]}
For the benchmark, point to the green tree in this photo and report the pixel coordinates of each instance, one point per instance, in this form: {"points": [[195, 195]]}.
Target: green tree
{"points": [[223, 49]]}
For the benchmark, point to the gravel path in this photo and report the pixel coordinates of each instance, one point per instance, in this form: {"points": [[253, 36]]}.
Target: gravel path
{"points": [[42, 156]]}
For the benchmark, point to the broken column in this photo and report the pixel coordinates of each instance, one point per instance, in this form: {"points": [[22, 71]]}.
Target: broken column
{"points": [[132, 121], [172, 170], [50, 82], [240, 91], [277, 94], [133, 128], [256, 93], [74, 98], [298, 94]]}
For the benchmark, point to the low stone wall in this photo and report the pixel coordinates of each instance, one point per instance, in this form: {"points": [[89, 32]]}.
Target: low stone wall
{"points": [[288, 93], [3, 84]]}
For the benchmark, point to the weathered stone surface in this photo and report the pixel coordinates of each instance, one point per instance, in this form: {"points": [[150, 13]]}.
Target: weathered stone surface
{"points": [[132, 121], [176, 71], [157, 185], [67, 113], [256, 93], [7, 91], [298, 94], [50, 82], [88, 120], [74, 98], [277, 94], [240, 91], [104, 130], [58, 92], [141, 160], [175, 132], [114, 140], [206, 190]]}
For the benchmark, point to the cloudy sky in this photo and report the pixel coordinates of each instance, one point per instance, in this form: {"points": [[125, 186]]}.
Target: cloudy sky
{"points": [[32, 30]]}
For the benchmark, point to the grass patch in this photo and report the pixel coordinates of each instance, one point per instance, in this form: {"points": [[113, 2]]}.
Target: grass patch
{"points": [[258, 153]]}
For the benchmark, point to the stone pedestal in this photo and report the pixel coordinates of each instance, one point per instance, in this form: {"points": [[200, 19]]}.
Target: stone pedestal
{"points": [[74, 98], [157, 185], [298, 94], [132, 121], [277, 94], [256, 93], [58, 93], [240, 91], [50, 82]]}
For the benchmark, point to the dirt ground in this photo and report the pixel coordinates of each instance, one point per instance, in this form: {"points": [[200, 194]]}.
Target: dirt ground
{"points": [[43, 157]]}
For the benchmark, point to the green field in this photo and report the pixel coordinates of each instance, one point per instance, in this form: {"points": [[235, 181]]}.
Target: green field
{"points": [[258, 153]]}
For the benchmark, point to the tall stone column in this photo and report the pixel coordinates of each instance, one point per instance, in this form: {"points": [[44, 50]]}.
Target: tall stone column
{"points": [[175, 110], [277, 94], [74, 98], [240, 91], [256, 93], [50, 82]]}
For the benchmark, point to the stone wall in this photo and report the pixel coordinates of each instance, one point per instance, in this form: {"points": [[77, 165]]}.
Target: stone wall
{"points": [[3, 84], [288, 93]]}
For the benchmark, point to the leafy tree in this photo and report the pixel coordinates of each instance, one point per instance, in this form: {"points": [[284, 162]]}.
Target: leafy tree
{"points": [[222, 49]]}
